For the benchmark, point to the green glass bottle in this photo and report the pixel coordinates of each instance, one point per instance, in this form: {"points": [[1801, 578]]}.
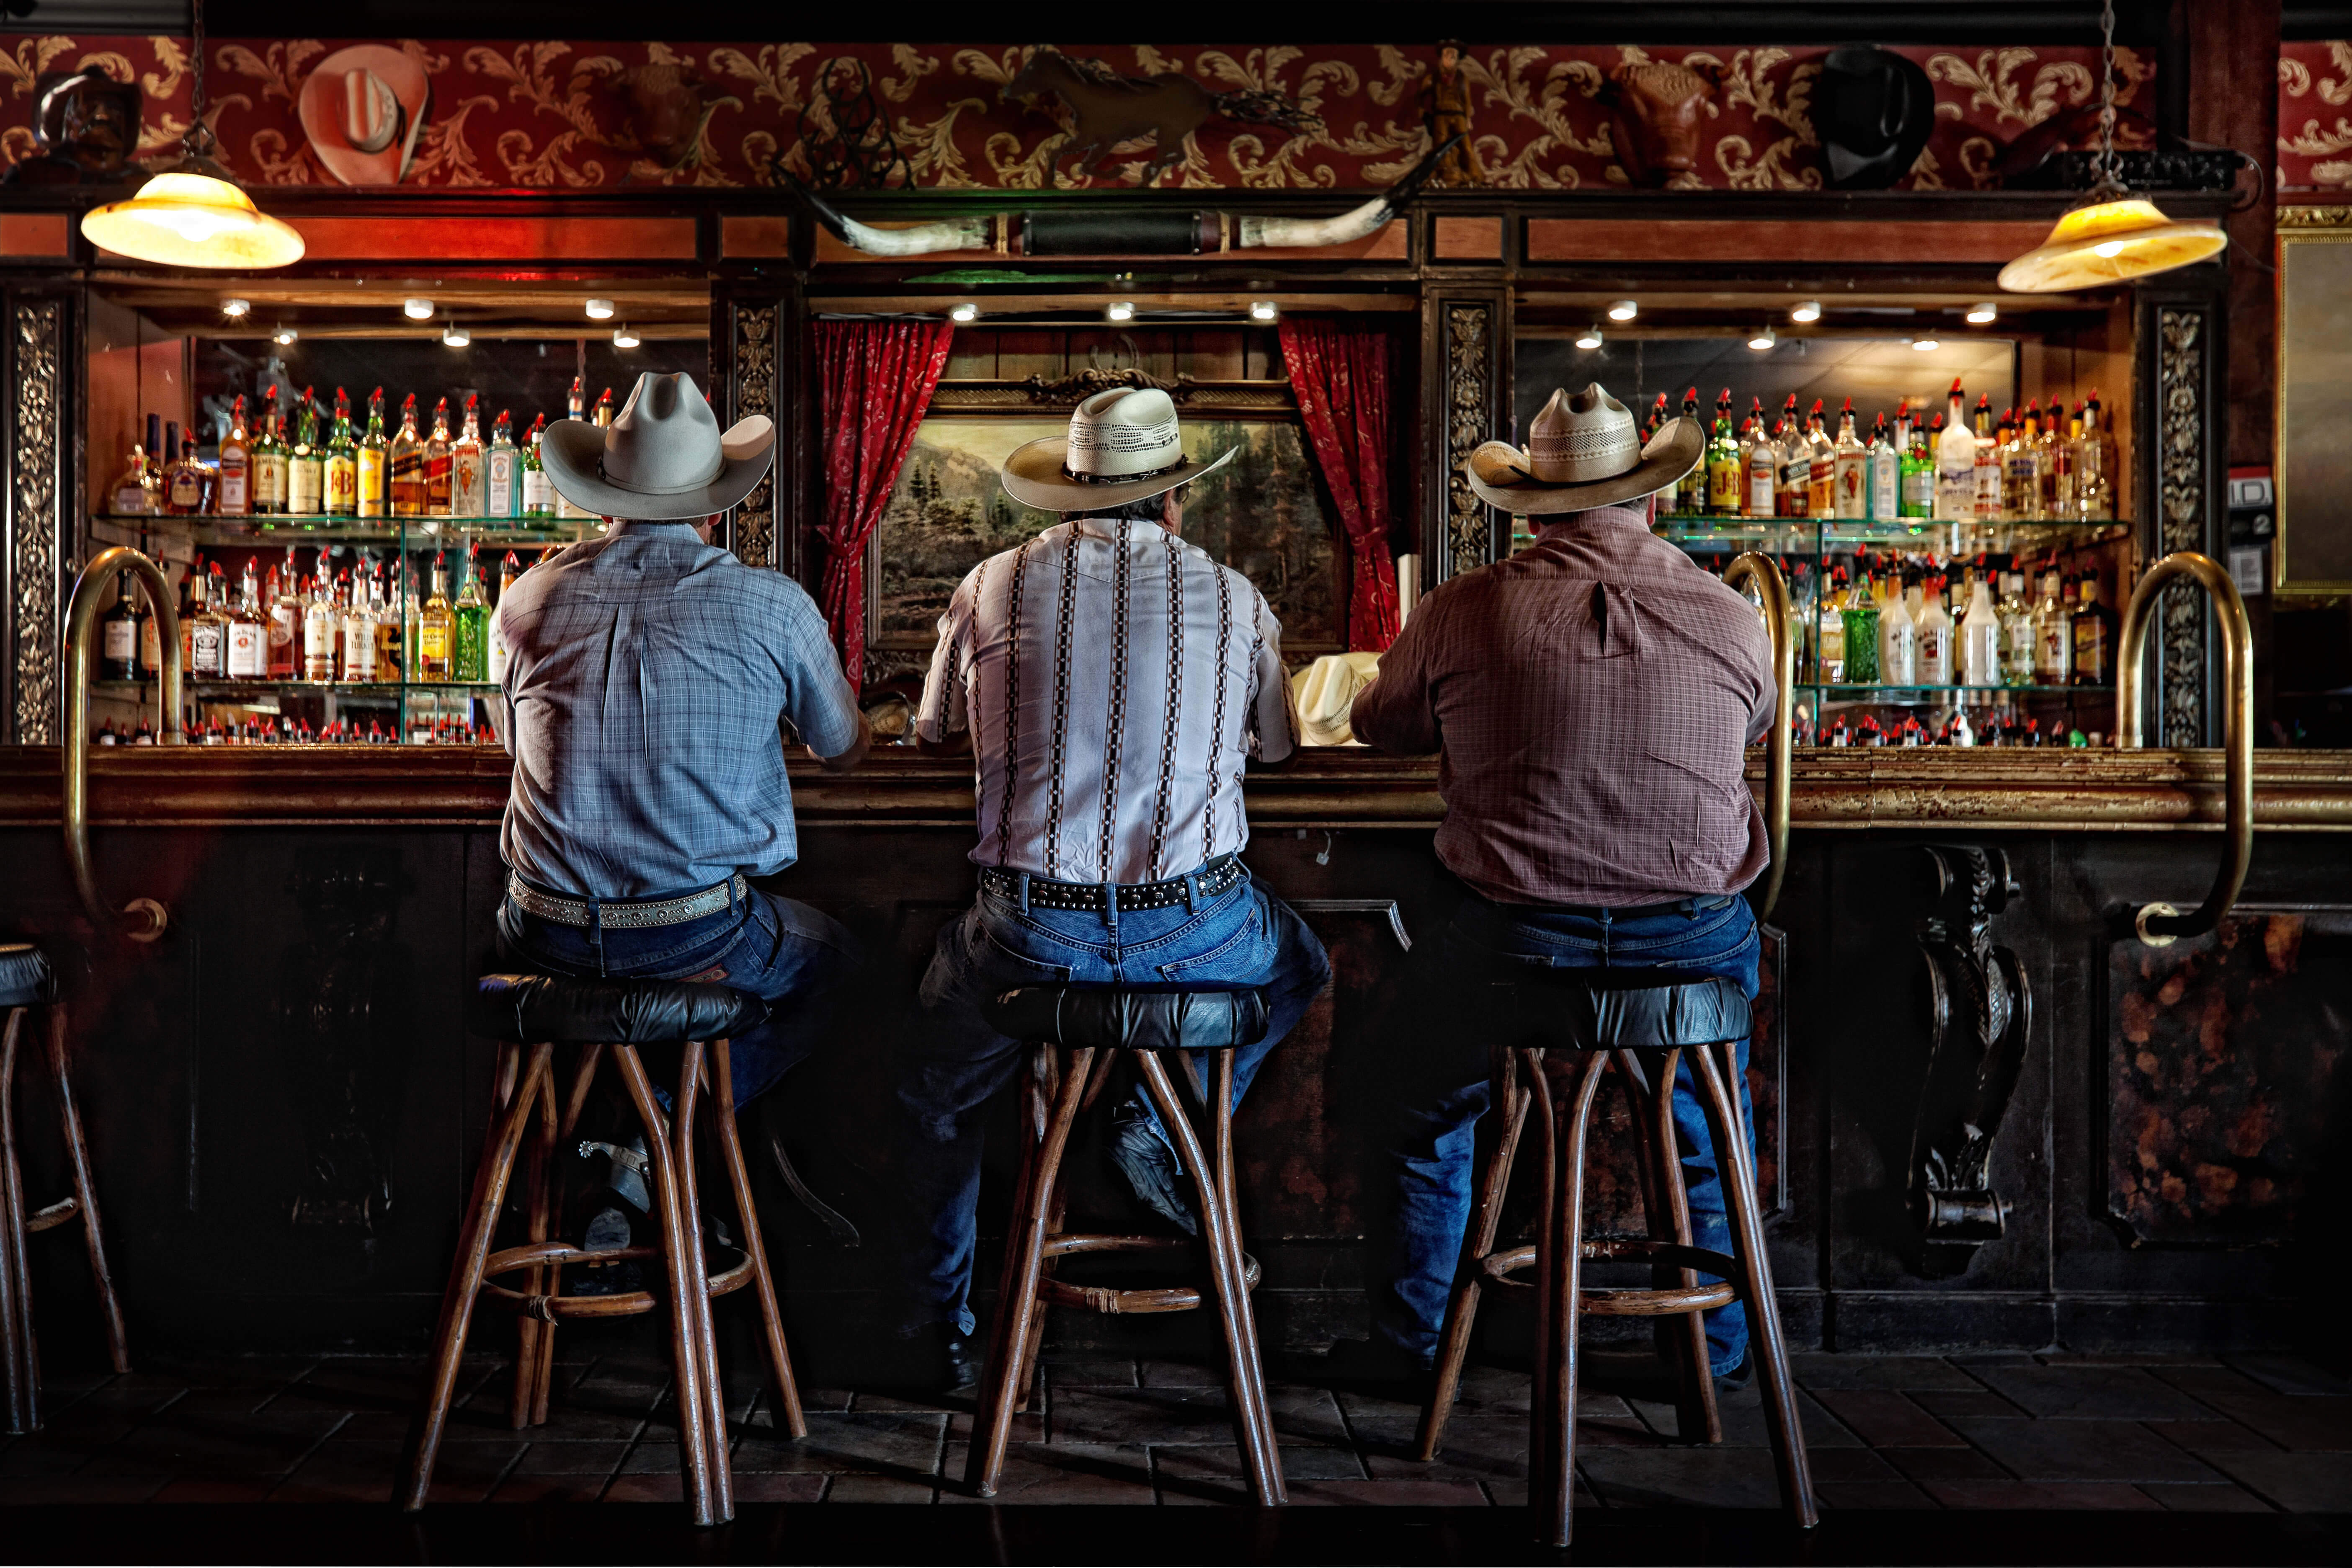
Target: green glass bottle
{"points": [[470, 660], [306, 465], [340, 464], [1861, 618], [374, 472]]}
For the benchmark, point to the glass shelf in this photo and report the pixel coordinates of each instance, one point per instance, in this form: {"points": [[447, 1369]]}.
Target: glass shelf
{"points": [[1885, 693], [419, 532], [1708, 525], [208, 687]]}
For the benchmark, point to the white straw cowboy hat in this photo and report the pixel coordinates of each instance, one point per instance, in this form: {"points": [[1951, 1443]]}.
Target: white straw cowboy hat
{"points": [[362, 108], [1582, 451], [1123, 446], [663, 460]]}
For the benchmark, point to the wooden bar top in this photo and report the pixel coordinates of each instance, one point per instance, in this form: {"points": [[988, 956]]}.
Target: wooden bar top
{"points": [[459, 786]]}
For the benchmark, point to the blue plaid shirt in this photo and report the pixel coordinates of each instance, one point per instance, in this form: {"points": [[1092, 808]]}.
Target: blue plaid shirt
{"points": [[647, 676]]}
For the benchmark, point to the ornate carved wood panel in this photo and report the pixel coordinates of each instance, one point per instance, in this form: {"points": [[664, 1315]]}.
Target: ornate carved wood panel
{"points": [[39, 533], [752, 387], [2183, 486], [1468, 372]]}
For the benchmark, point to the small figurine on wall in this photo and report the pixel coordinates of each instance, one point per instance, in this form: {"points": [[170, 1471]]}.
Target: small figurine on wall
{"points": [[84, 126], [1446, 113], [1654, 110], [1107, 109]]}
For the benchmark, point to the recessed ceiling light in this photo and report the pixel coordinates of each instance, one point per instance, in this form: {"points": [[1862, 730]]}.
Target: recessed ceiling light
{"points": [[456, 336], [285, 334], [1589, 337], [418, 309], [1984, 312], [966, 312], [1119, 311], [1762, 338], [239, 308], [1805, 310], [599, 310], [624, 338], [1263, 310], [1623, 311]]}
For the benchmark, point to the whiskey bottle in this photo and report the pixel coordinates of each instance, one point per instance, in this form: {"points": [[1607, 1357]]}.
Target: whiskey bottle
{"points": [[187, 483], [470, 652], [1690, 494], [2094, 637], [1956, 462], [408, 464], [1760, 463], [284, 621], [358, 632], [131, 495], [247, 653], [374, 463], [1820, 466], [468, 477], [1851, 477], [235, 496], [435, 626], [306, 464], [268, 462], [440, 473], [321, 626], [1796, 463], [387, 606], [502, 473], [118, 632], [208, 627], [341, 464]]}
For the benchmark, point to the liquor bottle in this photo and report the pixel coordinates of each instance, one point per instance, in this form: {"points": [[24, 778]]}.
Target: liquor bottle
{"points": [[1820, 466], [1980, 637], [1796, 463], [412, 616], [500, 649], [1956, 462], [603, 412], [1917, 477], [321, 626], [234, 495], [358, 631], [2094, 637], [537, 493], [469, 478], [1882, 476], [2020, 486], [2062, 460], [246, 656], [440, 467], [1650, 423], [340, 462], [388, 607], [1690, 494], [1987, 473], [1861, 615], [2016, 632], [502, 472], [560, 505], [1935, 627], [284, 621], [132, 495], [2096, 476], [207, 651], [1829, 646], [118, 632], [267, 461], [2053, 633], [408, 464], [2053, 438], [1898, 634], [306, 464], [185, 482], [1851, 478], [1760, 463], [435, 626], [375, 470], [470, 651]]}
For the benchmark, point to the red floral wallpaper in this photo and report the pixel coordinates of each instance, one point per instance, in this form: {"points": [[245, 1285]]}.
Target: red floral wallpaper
{"points": [[2315, 149], [559, 115]]}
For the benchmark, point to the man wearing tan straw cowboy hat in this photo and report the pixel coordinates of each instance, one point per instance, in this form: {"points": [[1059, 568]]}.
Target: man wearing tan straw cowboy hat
{"points": [[1592, 698], [650, 681], [1113, 681]]}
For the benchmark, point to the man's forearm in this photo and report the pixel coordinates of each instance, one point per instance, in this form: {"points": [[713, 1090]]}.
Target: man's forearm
{"points": [[856, 754]]}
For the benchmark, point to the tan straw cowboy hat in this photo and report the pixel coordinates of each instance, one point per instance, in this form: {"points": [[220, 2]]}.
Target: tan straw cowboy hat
{"points": [[363, 108], [662, 459], [1123, 446], [1582, 451]]}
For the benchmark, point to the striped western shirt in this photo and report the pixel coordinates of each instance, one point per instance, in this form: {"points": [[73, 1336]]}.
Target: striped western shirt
{"points": [[1115, 680]]}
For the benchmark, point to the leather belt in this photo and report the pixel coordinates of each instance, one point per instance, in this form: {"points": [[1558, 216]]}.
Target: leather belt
{"points": [[1215, 876], [627, 914], [1693, 905]]}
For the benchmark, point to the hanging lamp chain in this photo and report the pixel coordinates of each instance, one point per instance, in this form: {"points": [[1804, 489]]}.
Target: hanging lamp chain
{"points": [[199, 143], [2106, 182]]}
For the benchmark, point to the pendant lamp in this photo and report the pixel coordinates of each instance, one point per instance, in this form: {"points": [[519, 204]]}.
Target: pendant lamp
{"points": [[2110, 235], [193, 213]]}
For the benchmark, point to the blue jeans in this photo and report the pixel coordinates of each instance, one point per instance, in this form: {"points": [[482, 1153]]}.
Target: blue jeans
{"points": [[1431, 1159], [954, 1063], [773, 947]]}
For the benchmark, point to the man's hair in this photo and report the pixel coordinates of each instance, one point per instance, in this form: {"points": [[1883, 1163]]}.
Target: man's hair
{"points": [[1150, 509]]}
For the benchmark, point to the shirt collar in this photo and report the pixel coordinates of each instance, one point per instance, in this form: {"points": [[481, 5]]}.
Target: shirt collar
{"points": [[1600, 519]]}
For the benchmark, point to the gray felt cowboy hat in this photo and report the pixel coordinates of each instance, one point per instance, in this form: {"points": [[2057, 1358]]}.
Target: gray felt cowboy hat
{"points": [[662, 459], [1123, 446], [1582, 451]]}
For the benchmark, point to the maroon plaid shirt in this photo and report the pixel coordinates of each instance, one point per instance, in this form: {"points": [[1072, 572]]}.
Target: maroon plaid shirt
{"points": [[1593, 697]]}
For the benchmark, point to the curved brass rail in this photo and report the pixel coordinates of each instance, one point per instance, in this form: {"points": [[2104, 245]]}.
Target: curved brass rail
{"points": [[142, 920], [1778, 745], [2160, 924]]}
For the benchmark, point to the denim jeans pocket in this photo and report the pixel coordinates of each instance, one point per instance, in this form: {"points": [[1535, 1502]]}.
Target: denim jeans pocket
{"points": [[1000, 958], [1242, 956]]}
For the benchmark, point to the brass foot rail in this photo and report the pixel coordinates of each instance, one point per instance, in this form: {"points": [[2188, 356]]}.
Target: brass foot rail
{"points": [[141, 920]]}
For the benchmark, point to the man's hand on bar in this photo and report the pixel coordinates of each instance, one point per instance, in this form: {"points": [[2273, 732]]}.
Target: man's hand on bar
{"points": [[857, 752]]}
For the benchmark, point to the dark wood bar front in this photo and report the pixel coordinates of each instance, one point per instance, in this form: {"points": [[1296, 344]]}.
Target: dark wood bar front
{"points": [[286, 1103]]}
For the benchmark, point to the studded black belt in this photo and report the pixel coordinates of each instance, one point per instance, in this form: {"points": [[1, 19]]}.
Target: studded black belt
{"points": [[1215, 876]]}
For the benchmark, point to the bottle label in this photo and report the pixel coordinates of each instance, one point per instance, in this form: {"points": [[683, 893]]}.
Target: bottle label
{"points": [[248, 655], [269, 483], [501, 484], [151, 647], [305, 482], [121, 640], [437, 473], [470, 496], [205, 648], [1760, 490], [1853, 479], [359, 648], [319, 635], [433, 642], [235, 499], [187, 493], [372, 498], [343, 485]]}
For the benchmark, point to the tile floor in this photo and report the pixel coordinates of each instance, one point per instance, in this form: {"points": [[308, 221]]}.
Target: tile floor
{"points": [[2249, 1433]]}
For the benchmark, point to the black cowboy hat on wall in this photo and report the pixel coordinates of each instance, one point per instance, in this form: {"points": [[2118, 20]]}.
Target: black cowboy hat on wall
{"points": [[1874, 109]]}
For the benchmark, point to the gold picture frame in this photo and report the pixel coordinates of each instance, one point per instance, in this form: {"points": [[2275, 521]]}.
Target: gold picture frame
{"points": [[2312, 553]]}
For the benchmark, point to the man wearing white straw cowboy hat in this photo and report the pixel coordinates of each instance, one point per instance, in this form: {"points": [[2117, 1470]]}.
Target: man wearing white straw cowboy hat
{"points": [[1113, 681], [649, 681], [1592, 697]]}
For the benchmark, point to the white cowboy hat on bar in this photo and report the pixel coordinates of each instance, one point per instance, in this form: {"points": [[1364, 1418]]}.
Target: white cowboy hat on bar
{"points": [[1123, 446], [662, 460], [363, 108], [1582, 451]]}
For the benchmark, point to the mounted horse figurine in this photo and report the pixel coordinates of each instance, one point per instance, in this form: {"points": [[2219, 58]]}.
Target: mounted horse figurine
{"points": [[1107, 109]]}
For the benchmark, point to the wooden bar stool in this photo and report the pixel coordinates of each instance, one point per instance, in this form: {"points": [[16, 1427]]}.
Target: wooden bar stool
{"points": [[530, 1016], [1077, 1030], [28, 981], [1554, 1031]]}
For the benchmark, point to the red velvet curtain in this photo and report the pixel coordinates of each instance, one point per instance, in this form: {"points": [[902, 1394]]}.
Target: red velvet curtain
{"points": [[874, 379], [1340, 371]]}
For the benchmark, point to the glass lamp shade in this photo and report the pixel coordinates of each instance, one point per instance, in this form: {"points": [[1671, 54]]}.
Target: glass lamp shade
{"points": [[2107, 242], [186, 219]]}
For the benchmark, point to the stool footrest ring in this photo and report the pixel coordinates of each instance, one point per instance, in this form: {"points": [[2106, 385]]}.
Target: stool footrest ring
{"points": [[57, 1214], [1110, 1299], [1499, 1267]]}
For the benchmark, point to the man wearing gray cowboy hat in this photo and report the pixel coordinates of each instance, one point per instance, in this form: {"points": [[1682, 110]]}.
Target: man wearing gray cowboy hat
{"points": [[650, 682], [1113, 682], [1592, 698]]}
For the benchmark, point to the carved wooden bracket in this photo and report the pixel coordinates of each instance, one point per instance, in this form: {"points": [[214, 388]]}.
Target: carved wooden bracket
{"points": [[1980, 1014]]}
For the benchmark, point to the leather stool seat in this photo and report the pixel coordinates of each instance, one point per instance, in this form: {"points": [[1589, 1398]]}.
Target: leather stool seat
{"points": [[1617, 1009], [528, 1008], [1128, 1018], [25, 978]]}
